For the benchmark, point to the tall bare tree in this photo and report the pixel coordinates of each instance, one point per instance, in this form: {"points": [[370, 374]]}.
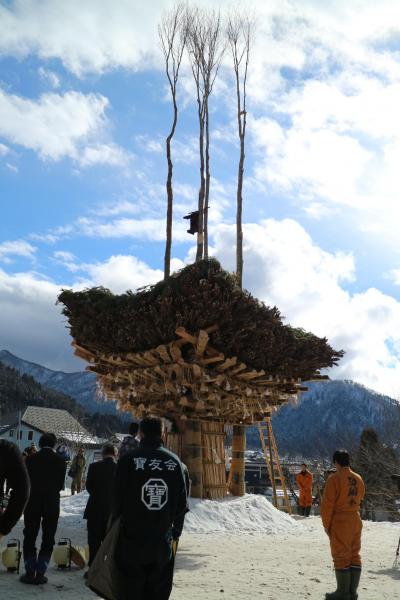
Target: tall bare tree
{"points": [[172, 32], [240, 32], [206, 49]]}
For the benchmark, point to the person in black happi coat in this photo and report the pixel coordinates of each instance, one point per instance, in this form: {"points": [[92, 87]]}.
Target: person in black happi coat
{"points": [[47, 474], [13, 473], [99, 484], [150, 494]]}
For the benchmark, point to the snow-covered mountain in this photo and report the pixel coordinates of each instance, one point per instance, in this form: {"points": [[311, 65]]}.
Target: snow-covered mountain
{"points": [[333, 414], [80, 385]]}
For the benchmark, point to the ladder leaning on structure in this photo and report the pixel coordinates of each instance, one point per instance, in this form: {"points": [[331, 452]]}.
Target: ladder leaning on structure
{"points": [[275, 471]]}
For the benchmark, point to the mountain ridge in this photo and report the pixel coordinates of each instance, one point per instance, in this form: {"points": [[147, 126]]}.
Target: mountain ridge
{"points": [[80, 385]]}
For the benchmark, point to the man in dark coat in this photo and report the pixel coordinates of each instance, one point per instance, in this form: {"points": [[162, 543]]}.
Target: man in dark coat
{"points": [[130, 441], [13, 472], [150, 494], [47, 474], [99, 484]]}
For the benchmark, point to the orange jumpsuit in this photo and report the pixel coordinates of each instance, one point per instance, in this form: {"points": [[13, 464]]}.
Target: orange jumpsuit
{"points": [[305, 482], [340, 513]]}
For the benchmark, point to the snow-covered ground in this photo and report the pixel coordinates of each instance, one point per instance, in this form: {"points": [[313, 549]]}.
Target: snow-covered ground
{"points": [[239, 548]]}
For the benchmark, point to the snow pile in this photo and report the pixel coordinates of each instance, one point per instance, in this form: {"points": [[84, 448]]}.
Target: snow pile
{"points": [[249, 514]]}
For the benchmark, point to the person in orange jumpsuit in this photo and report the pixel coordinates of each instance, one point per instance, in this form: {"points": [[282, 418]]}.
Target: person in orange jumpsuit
{"points": [[340, 513], [304, 480]]}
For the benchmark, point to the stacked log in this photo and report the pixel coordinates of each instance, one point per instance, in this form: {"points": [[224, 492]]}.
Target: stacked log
{"points": [[237, 481], [214, 473], [192, 456]]}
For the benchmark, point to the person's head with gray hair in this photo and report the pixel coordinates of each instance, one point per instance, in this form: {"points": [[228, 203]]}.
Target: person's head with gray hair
{"points": [[109, 450]]}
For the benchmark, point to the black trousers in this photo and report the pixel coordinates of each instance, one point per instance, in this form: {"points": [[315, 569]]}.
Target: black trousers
{"points": [[144, 582], [41, 511], [97, 530]]}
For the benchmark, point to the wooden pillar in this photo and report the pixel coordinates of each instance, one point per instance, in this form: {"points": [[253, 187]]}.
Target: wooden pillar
{"points": [[192, 456], [237, 483]]}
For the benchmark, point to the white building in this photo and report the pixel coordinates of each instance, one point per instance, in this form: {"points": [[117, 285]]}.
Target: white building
{"points": [[37, 420]]}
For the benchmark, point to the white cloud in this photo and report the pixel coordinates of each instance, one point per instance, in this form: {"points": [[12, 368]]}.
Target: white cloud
{"points": [[4, 150], [31, 326], [90, 36], [106, 154], [284, 267], [16, 248], [49, 76], [121, 207], [57, 126], [67, 260], [120, 273]]}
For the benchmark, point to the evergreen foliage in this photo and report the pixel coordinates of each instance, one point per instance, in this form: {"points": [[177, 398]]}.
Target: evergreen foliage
{"points": [[197, 297]]}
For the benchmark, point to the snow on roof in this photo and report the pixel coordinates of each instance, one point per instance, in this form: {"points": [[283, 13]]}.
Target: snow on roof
{"points": [[79, 437], [60, 422]]}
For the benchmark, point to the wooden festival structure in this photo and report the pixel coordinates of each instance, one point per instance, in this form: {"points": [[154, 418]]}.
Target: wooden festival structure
{"points": [[199, 352]]}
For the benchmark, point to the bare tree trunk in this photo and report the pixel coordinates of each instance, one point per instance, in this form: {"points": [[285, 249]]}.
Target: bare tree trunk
{"points": [[207, 182], [200, 234], [239, 201], [239, 35], [172, 31], [205, 53], [170, 196]]}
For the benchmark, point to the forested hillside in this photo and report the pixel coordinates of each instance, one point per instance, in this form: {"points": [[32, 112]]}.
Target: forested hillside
{"points": [[19, 391], [330, 415]]}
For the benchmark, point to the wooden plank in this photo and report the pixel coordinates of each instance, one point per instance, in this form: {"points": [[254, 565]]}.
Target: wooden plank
{"points": [[229, 362], [175, 352], [251, 375], [197, 371], [238, 369], [202, 342], [151, 359], [182, 333], [212, 359], [163, 353]]}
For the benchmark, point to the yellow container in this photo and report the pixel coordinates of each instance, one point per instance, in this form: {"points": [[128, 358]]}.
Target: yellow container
{"points": [[62, 554], [11, 556]]}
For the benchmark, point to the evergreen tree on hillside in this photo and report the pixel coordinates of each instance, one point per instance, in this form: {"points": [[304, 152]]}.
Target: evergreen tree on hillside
{"points": [[376, 464], [19, 391]]}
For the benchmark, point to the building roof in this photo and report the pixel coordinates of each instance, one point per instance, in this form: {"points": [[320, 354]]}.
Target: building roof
{"points": [[60, 422]]}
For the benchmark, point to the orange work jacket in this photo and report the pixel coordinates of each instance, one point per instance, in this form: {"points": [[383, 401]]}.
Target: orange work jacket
{"points": [[305, 483], [344, 491]]}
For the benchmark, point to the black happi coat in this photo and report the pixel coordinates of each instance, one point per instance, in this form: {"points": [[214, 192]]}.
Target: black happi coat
{"points": [[47, 474], [100, 485], [12, 470], [150, 494]]}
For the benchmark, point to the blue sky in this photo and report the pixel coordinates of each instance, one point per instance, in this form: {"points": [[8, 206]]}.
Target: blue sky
{"points": [[84, 112]]}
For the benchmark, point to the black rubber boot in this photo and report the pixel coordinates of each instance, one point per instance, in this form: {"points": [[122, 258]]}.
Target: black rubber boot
{"points": [[27, 578], [354, 581], [40, 579], [307, 511], [343, 579], [30, 570], [300, 510], [42, 564]]}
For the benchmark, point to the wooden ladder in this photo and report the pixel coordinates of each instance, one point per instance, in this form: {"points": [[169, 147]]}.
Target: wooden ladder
{"points": [[275, 471]]}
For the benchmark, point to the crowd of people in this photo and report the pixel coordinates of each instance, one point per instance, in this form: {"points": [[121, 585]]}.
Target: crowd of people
{"points": [[136, 509], [137, 496]]}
